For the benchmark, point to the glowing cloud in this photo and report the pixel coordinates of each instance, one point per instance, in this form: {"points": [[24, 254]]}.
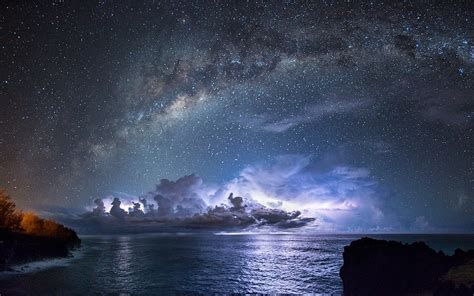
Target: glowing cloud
{"points": [[289, 192]]}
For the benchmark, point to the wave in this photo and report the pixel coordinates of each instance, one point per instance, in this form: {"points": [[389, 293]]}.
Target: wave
{"points": [[40, 265]]}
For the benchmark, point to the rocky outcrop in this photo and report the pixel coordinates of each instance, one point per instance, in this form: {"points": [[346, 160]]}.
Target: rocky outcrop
{"points": [[26, 237], [378, 267], [17, 247]]}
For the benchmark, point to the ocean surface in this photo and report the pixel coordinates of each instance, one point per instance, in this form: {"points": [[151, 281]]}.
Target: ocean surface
{"points": [[168, 264]]}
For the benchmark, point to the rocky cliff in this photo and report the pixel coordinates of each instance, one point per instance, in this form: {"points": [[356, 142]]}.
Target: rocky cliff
{"points": [[378, 267], [17, 248]]}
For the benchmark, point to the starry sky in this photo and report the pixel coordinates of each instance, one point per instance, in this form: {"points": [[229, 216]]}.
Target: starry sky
{"points": [[358, 114]]}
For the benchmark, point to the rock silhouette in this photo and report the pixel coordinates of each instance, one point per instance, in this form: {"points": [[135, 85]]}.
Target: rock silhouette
{"points": [[26, 237], [378, 267], [18, 248]]}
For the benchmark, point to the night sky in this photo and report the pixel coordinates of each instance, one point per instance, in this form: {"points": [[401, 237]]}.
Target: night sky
{"points": [[359, 115]]}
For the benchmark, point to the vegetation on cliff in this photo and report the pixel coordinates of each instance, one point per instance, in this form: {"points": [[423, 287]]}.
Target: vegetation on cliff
{"points": [[25, 236]]}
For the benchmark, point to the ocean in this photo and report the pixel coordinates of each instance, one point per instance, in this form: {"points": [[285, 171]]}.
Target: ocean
{"points": [[170, 264]]}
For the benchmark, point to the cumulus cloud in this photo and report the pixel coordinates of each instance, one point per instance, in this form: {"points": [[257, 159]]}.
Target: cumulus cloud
{"points": [[184, 203], [99, 210], [341, 197], [238, 216], [116, 210], [237, 203], [290, 192], [181, 197]]}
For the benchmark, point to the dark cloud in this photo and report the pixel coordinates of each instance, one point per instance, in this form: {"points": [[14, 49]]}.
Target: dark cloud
{"points": [[180, 197], [237, 203], [180, 206], [116, 211], [289, 193], [100, 209], [144, 202], [135, 211]]}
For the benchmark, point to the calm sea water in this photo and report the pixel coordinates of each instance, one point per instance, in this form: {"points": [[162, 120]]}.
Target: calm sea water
{"points": [[162, 264]]}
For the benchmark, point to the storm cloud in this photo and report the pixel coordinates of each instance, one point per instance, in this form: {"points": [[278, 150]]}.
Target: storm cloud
{"points": [[182, 204], [293, 191], [342, 197]]}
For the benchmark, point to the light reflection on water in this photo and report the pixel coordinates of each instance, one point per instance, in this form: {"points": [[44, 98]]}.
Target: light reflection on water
{"points": [[123, 274], [201, 263]]}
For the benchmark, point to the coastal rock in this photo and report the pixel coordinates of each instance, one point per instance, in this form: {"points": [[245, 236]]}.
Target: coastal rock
{"points": [[26, 237], [18, 248], [379, 267]]}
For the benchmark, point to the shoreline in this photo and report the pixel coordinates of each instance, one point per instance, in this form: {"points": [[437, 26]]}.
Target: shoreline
{"points": [[17, 248], [114, 247], [41, 264], [389, 267]]}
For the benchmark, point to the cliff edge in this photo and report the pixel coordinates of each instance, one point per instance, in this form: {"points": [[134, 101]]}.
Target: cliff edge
{"points": [[379, 267], [25, 237], [18, 248]]}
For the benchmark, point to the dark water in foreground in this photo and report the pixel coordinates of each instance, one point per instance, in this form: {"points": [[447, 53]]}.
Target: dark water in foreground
{"points": [[161, 264]]}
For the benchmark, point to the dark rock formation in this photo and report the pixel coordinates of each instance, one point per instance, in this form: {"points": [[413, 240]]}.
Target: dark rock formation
{"points": [[26, 237], [378, 267], [18, 248]]}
